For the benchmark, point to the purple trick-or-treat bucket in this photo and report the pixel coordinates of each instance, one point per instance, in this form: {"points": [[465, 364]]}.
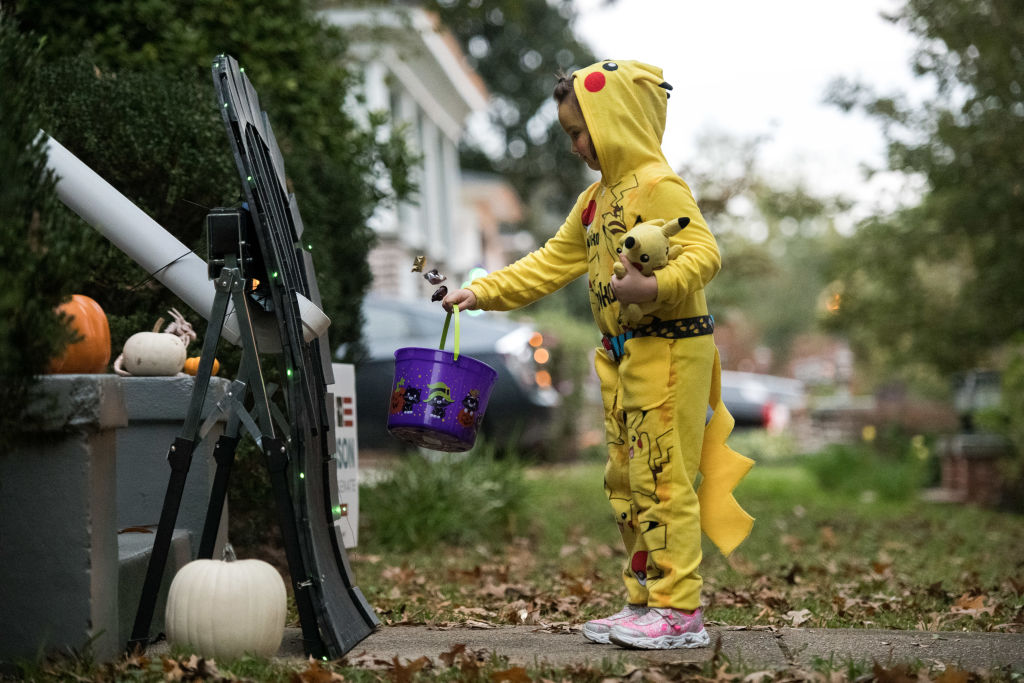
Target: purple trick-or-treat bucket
{"points": [[438, 398]]}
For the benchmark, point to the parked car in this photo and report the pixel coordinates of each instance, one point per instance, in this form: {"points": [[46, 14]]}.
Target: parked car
{"points": [[762, 401], [522, 402]]}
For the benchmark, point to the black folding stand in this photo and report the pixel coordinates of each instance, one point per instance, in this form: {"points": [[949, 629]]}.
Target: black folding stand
{"points": [[263, 245]]}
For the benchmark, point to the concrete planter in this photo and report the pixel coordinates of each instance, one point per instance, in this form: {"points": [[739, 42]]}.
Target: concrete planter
{"points": [[91, 462]]}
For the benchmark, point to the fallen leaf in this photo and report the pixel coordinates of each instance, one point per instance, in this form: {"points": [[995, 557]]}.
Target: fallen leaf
{"points": [[404, 673], [880, 567], [459, 649], [953, 675], [475, 623], [900, 673], [195, 668], [797, 617], [315, 673], [516, 674], [972, 605]]}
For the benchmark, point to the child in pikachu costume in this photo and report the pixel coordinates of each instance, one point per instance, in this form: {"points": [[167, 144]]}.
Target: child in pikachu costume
{"points": [[658, 377]]}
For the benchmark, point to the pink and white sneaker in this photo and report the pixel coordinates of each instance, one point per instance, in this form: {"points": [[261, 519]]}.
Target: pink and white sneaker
{"points": [[661, 629], [598, 629]]}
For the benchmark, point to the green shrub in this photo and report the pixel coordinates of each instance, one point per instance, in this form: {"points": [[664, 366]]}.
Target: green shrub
{"points": [[856, 470], [129, 91], [454, 500], [41, 260], [158, 139]]}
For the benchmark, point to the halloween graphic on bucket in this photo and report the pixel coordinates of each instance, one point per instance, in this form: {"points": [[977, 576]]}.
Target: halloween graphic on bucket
{"points": [[438, 397]]}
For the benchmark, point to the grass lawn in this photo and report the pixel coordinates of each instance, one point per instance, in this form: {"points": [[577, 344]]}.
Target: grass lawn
{"points": [[839, 542], [816, 557]]}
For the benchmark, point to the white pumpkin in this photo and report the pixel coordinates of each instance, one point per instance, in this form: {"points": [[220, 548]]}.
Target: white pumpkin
{"points": [[153, 354], [224, 609]]}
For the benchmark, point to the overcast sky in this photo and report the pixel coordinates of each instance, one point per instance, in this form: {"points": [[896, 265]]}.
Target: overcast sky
{"points": [[757, 67]]}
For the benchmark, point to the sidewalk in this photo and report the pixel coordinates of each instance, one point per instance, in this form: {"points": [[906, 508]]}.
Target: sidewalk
{"points": [[758, 649]]}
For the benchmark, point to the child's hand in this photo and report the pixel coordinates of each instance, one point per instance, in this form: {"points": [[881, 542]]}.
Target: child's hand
{"points": [[465, 298], [634, 287]]}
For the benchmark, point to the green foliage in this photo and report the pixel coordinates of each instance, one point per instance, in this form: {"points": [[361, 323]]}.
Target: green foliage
{"points": [[567, 505], [763, 446], [158, 139], [454, 500], [857, 471], [127, 87], [775, 239], [940, 282], [296, 65], [42, 258]]}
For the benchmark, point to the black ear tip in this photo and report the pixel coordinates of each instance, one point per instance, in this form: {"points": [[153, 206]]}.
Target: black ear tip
{"points": [[683, 222]]}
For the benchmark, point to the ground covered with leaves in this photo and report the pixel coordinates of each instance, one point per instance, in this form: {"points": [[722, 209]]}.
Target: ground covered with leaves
{"points": [[484, 542], [816, 558]]}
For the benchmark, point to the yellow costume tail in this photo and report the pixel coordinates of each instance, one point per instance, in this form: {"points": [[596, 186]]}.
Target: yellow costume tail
{"points": [[721, 468]]}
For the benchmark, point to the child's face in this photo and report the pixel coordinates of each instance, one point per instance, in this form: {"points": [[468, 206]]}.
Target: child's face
{"points": [[571, 118]]}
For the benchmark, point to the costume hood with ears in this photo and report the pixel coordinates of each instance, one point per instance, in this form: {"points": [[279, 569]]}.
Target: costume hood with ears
{"points": [[624, 104]]}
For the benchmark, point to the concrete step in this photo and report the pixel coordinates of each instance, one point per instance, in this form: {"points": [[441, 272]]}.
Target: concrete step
{"points": [[134, 549]]}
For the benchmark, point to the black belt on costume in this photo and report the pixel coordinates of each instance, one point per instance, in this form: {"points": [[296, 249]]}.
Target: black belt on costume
{"points": [[679, 328]]}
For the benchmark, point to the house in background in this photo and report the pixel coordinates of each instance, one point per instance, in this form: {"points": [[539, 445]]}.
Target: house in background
{"points": [[491, 209], [415, 70]]}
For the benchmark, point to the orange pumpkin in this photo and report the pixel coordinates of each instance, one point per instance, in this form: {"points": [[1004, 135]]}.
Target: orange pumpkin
{"points": [[192, 366], [91, 353]]}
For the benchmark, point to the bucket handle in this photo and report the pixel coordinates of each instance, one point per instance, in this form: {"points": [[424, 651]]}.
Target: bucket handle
{"points": [[444, 332]]}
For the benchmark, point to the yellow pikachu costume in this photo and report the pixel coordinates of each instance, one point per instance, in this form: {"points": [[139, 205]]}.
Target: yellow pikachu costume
{"points": [[658, 378]]}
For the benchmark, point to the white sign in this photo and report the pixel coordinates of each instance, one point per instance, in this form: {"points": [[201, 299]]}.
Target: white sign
{"points": [[346, 453]]}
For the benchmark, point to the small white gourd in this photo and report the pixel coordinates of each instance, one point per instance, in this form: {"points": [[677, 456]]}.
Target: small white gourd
{"points": [[157, 354], [224, 609], [154, 354]]}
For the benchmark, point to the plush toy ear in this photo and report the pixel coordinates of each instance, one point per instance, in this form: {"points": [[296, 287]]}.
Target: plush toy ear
{"points": [[675, 226]]}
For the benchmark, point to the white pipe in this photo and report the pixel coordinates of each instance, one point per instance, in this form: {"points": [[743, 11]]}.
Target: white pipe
{"points": [[157, 251]]}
